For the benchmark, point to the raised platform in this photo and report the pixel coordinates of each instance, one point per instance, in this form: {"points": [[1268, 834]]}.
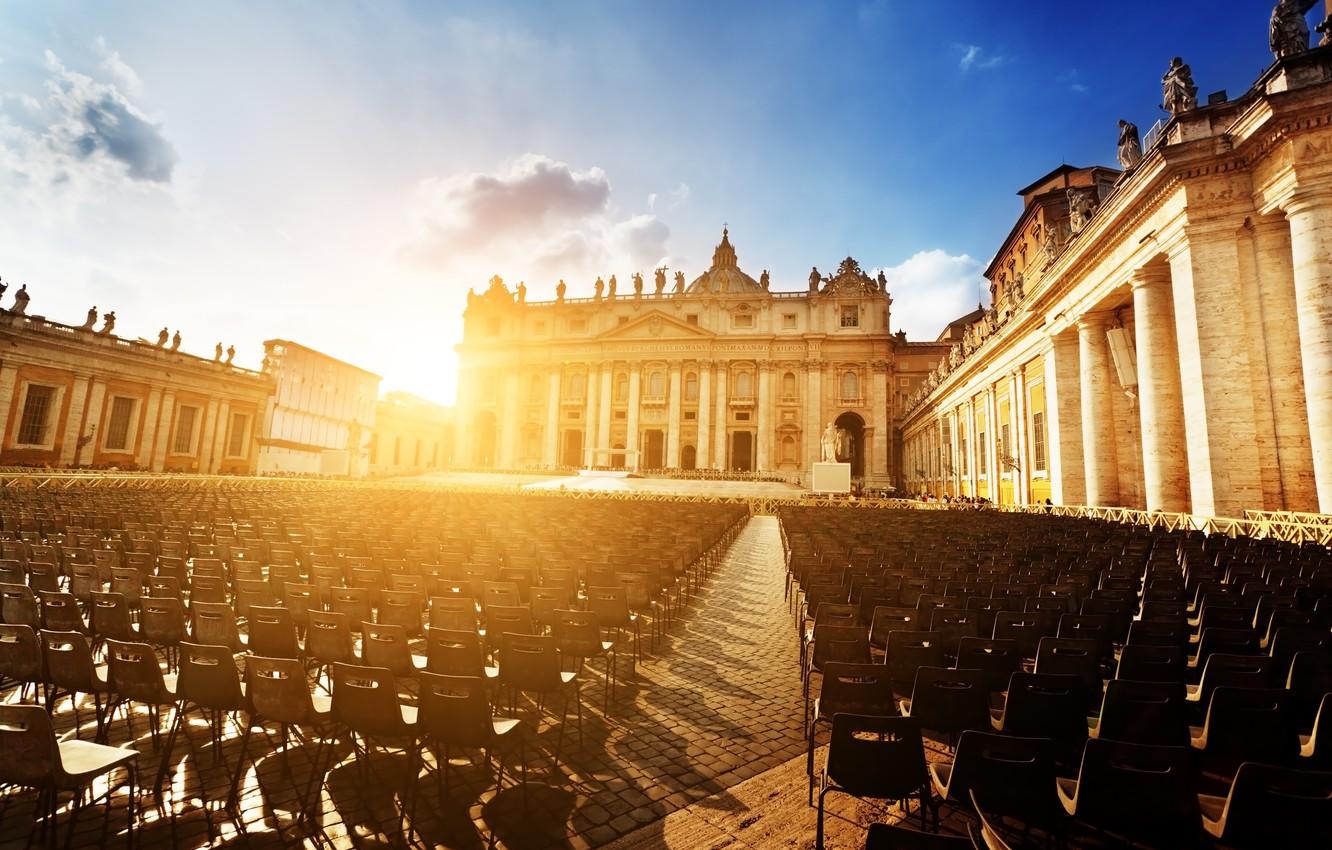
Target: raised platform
{"points": [[603, 473]]}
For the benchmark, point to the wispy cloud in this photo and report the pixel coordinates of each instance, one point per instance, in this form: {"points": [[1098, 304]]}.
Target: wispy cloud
{"points": [[1073, 80], [976, 57], [931, 289]]}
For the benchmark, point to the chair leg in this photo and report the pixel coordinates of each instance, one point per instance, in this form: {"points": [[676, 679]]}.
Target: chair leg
{"points": [[166, 753], [818, 829]]}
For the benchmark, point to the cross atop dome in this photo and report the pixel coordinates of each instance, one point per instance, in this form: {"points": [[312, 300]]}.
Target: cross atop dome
{"points": [[724, 256]]}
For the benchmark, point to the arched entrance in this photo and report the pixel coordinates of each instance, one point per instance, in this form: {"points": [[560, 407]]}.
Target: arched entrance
{"points": [[852, 449], [484, 439], [653, 441], [742, 451], [688, 457], [572, 453]]}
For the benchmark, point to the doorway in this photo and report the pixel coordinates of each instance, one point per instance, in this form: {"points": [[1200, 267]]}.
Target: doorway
{"points": [[852, 449], [653, 449], [572, 452], [484, 428], [742, 451]]}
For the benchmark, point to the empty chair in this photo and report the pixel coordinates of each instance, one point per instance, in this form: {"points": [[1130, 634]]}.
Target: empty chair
{"points": [[611, 606], [111, 617], [1151, 663], [70, 669], [273, 632], [135, 676], [1139, 712], [162, 623], [1025, 628], [863, 689], [1140, 791], [365, 704], [208, 589], [875, 757], [18, 606], [531, 664], [1074, 656], [214, 624], [328, 640], [35, 758], [388, 647], [453, 612], [909, 651], [1158, 633], [1225, 641], [546, 603], [400, 608], [1316, 747], [1045, 705], [456, 652], [1015, 776], [999, 658], [578, 636], [210, 684], [1271, 806], [60, 612], [128, 583], [1308, 678], [43, 578], [1247, 724], [300, 600], [354, 602], [455, 713], [1094, 627], [84, 581], [949, 701], [1240, 671], [20, 657], [885, 619]]}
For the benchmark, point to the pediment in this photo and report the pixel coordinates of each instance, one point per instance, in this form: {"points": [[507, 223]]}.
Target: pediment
{"points": [[656, 325]]}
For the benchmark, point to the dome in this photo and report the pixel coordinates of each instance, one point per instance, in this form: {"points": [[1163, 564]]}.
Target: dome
{"points": [[725, 275]]}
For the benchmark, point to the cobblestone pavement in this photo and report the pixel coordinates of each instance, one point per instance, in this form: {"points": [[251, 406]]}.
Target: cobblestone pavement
{"points": [[716, 703]]}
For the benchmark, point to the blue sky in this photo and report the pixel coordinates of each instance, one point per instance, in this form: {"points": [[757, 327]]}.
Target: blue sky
{"points": [[341, 173]]}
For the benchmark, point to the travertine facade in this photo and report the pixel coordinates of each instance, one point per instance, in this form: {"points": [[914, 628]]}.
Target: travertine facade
{"points": [[1176, 353], [72, 397], [411, 436], [722, 374], [322, 413]]}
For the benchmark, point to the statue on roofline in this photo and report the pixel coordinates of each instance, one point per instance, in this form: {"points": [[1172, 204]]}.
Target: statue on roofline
{"points": [[175, 342], [882, 281], [1178, 92], [559, 290], [521, 293], [1288, 34], [1130, 145], [764, 280], [599, 287], [21, 299], [814, 279], [91, 320], [638, 285], [162, 336], [659, 280], [610, 288], [217, 353], [231, 354], [108, 323], [679, 283]]}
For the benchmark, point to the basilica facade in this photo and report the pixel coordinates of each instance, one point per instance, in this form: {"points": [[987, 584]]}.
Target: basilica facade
{"points": [[723, 374]]}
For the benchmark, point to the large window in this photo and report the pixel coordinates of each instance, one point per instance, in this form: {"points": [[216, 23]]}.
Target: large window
{"points": [[1005, 446], [850, 386], [657, 384], [238, 441], [850, 316], [691, 387], [744, 385], [1038, 440], [35, 424], [982, 462], [789, 386], [962, 454], [621, 387], [187, 417], [118, 426], [576, 386], [788, 449]]}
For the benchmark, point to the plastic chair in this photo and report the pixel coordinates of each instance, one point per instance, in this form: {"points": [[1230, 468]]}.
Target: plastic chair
{"points": [[60, 612], [578, 635], [999, 659], [1076, 656], [611, 607], [1308, 678], [83, 582], [1046, 705], [1151, 663], [209, 683], [1153, 713], [35, 758], [456, 613], [546, 603], [365, 704], [531, 664], [354, 602], [1316, 748], [21, 657], [214, 624], [387, 647], [273, 632], [1247, 724], [864, 689], [1136, 790], [1239, 671], [908, 651], [162, 623], [875, 757], [1271, 806], [111, 617], [949, 701], [457, 652], [277, 693], [18, 606], [400, 608], [135, 677], [69, 668], [888, 618], [328, 640], [455, 712], [1015, 776]]}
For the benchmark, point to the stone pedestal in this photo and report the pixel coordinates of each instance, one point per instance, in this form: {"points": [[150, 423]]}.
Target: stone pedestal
{"points": [[831, 478]]}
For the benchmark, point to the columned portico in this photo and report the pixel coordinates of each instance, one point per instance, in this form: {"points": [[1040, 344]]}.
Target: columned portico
{"points": [[604, 414], [1310, 215], [1098, 422], [631, 439], [551, 443], [702, 455], [719, 447], [765, 416], [673, 418], [1165, 471]]}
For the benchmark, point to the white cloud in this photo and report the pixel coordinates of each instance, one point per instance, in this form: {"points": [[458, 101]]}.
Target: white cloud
{"points": [[536, 219], [975, 56], [673, 199], [1073, 80], [931, 289], [120, 71]]}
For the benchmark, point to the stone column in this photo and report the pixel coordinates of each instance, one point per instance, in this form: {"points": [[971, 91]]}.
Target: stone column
{"points": [[604, 415], [220, 438], [78, 398], [1272, 264], [720, 451], [1310, 215], [765, 429], [1018, 412], [1164, 470], [8, 381], [1098, 421], [702, 455], [166, 415], [94, 419], [673, 417], [511, 423], [550, 447], [590, 437], [1063, 407], [1215, 377], [880, 421], [813, 413], [631, 420], [211, 426], [463, 418], [993, 470]]}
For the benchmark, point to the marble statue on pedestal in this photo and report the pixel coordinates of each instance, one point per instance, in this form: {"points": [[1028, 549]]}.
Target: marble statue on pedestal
{"points": [[21, 300], [638, 285], [1130, 145], [1178, 92], [764, 280], [521, 293], [217, 353], [231, 354], [829, 443], [599, 287], [1289, 31], [610, 288], [814, 279], [162, 336]]}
